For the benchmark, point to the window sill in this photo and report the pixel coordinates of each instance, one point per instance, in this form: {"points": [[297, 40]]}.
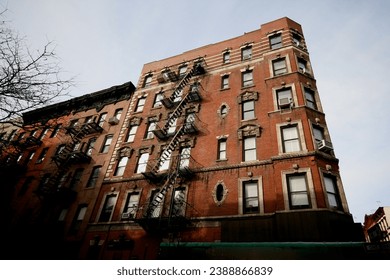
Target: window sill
{"points": [[249, 120], [246, 87]]}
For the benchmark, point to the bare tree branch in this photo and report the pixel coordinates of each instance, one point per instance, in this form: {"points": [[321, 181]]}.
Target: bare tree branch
{"points": [[28, 80]]}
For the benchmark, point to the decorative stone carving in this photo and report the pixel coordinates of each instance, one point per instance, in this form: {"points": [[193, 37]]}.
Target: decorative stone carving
{"points": [[249, 130]]}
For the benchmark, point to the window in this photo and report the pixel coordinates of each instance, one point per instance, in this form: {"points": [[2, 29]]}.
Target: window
{"points": [[297, 191], [108, 208], [297, 39], [107, 143], [74, 123], [225, 82], [131, 205], [157, 100], [43, 133], [185, 155], [120, 169], [44, 180], [131, 133], [164, 162], [290, 139], [147, 81], [178, 95], [251, 197], [62, 181], [42, 156], [76, 178], [94, 177], [157, 209], [302, 65], [88, 119], [248, 110], [221, 149], [55, 131], [60, 149], [246, 53], [76, 146], [224, 110], [118, 113], [178, 207], [182, 70], [151, 128], [284, 98], [247, 78], [331, 192], [219, 192], [12, 134], [31, 155], [190, 122], [275, 41], [318, 134], [142, 162], [279, 66], [310, 100], [172, 125], [62, 215], [102, 118], [249, 148], [140, 104], [91, 144], [79, 217], [20, 136], [226, 57]]}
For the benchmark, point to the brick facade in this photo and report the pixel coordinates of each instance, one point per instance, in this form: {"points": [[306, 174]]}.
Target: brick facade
{"points": [[238, 150]]}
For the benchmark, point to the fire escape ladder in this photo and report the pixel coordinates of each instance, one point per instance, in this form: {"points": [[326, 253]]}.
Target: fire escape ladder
{"points": [[175, 171], [183, 82], [159, 198], [165, 155]]}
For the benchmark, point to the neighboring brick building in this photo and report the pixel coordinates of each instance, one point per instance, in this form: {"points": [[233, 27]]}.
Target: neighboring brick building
{"points": [[377, 225], [59, 155], [222, 144]]}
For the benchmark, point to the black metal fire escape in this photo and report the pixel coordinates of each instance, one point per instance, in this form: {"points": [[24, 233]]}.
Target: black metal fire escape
{"points": [[66, 157], [150, 216]]}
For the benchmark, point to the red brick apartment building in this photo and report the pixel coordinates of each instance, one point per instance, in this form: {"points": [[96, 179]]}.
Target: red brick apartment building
{"points": [[218, 151]]}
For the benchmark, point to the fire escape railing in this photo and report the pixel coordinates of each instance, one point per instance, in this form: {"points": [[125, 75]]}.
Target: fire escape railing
{"points": [[68, 156], [149, 216]]}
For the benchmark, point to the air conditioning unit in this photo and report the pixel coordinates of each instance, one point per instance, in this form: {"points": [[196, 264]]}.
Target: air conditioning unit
{"points": [[325, 146], [285, 102], [113, 121], [127, 215]]}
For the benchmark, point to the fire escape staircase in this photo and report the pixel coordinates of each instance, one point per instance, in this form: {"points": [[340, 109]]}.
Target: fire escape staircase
{"points": [[148, 217], [66, 157]]}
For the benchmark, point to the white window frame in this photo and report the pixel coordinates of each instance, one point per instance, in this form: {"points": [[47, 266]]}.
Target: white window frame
{"points": [[121, 167], [142, 162], [241, 195], [279, 127], [275, 95], [131, 133], [309, 182], [103, 203], [252, 151]]}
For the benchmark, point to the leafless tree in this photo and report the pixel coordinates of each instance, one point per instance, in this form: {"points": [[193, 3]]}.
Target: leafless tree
{"points": [[28, 80]]}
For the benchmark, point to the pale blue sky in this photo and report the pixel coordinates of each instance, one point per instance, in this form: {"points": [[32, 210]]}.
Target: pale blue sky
{"points": [[106, 42]]}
